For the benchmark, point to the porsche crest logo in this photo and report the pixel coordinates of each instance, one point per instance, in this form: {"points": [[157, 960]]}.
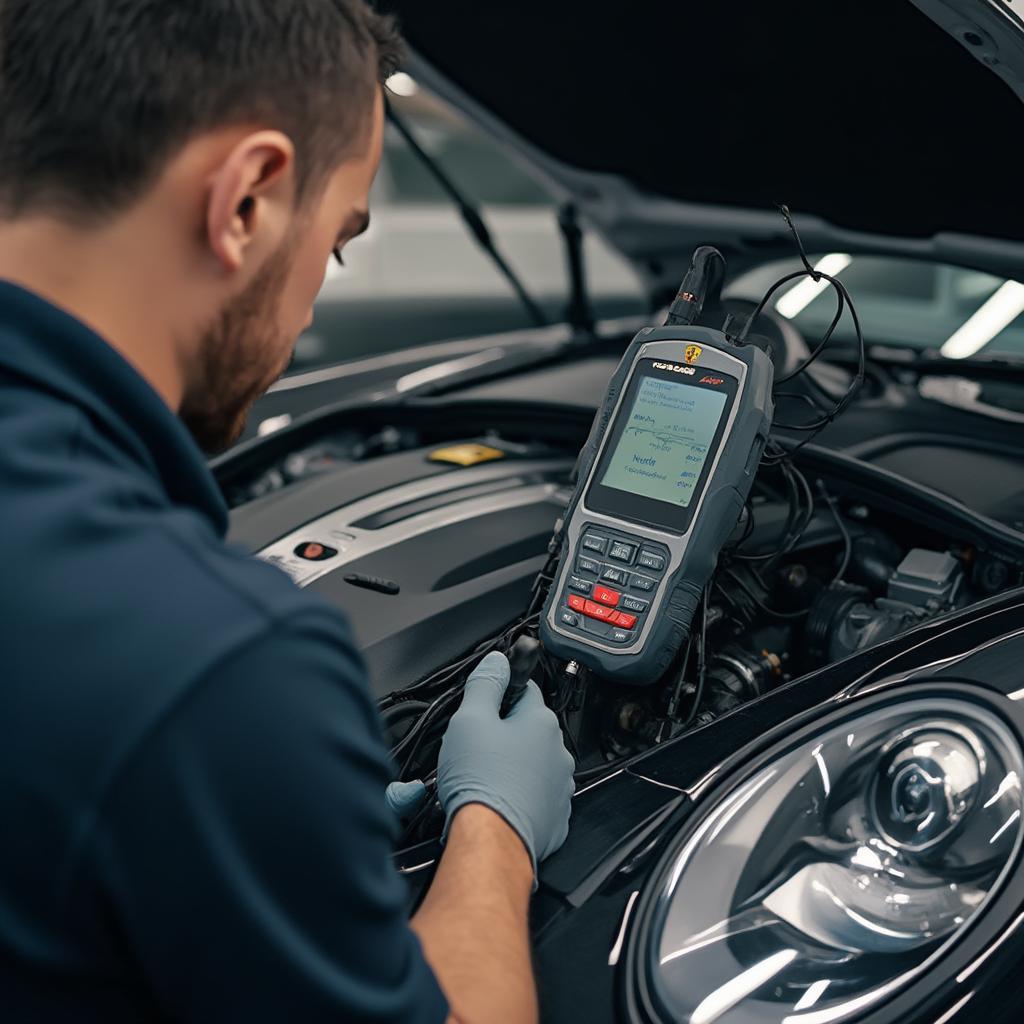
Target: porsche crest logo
{"points": [[692, 353]]}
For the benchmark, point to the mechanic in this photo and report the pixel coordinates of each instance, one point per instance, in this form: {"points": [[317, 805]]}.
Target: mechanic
{"points": [[192, 772]]}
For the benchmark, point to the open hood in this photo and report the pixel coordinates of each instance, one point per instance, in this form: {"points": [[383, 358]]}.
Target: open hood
{"points": [[675, 123]]}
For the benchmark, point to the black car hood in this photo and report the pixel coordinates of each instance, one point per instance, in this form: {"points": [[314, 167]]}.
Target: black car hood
{"points": [[869, 119]]}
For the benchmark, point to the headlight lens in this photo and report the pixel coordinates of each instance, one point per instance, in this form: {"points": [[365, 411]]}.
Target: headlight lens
{"points": [[838, 871]]}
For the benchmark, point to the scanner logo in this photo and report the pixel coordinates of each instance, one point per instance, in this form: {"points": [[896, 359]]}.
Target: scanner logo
{"points": [[675, 368], [692, 353]]}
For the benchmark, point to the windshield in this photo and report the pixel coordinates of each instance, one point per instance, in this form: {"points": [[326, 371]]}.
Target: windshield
{"points": [[902, 302], [416, 277]]}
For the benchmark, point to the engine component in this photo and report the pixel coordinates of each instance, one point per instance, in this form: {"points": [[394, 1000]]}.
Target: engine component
{"points": [[736, 676], [926, 579], [873, 559], [843, 620]]}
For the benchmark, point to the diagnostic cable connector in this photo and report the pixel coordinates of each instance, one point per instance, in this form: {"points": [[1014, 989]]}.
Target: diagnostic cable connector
{"points": [[702, 284]]}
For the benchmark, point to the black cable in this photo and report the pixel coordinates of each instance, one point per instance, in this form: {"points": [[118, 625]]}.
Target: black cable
{"points": [[843, 301], [677, 690], [847, 540], [393, 715], [745, 587], [855, 384], [797, 519], [471, 216], [702, 662], [820, 347]]}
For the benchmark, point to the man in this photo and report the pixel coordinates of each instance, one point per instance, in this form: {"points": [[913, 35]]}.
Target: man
{"points": [[191, 770]]}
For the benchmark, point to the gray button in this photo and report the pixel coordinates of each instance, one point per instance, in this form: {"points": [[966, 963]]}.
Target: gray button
{"points": [[580, 584], [622, 552], [644, 583], [651, 560], [594, 543], [568, 618], [614, 575], [633, 604], [584, 564], [621, 636]]}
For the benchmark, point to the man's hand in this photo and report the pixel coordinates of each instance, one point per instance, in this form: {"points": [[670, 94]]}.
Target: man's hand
{"points": [[506, 786], [517, 766]]}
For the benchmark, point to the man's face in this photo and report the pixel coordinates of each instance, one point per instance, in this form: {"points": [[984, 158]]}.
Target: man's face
{"points": [[250, 343]]}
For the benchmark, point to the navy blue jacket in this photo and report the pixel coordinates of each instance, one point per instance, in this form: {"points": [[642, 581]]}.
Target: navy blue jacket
{"points": [[191, 769]]}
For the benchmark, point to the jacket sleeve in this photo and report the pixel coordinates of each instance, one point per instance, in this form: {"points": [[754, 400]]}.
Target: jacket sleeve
{"points": [[245, 847]]}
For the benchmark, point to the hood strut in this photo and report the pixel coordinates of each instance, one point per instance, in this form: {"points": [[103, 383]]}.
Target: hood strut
{"points": [[470, 216], [579, 313]]}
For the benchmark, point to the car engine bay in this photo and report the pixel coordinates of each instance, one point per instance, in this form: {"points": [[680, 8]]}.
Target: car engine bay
{"points": [[434, 542], [449, 527]]}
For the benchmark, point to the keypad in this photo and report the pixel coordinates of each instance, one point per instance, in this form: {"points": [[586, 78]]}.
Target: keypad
{"points": [[602, 598]]}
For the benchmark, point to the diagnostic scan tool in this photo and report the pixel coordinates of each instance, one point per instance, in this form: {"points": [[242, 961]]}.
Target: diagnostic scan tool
{"points": [[662, 481]]}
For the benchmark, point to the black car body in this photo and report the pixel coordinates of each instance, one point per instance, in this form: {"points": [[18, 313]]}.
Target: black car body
{"points": [[430, 492]]}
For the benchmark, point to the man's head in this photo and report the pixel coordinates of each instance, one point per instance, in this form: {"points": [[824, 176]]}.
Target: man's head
{"points": [[228, 144]]}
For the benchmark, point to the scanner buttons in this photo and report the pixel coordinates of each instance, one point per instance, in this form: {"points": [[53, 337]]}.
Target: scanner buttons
{"points": [[600, 597]]}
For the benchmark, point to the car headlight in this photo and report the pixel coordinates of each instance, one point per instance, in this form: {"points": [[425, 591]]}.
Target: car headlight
{"points": [[839, 871]]}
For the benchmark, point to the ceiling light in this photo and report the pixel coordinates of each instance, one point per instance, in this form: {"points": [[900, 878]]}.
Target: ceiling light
{"points": [[999, 311]]}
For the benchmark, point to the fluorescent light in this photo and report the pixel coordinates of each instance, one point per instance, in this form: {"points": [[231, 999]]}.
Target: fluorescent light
{"points": [[801, 295], [989, 319], [402, 84]]}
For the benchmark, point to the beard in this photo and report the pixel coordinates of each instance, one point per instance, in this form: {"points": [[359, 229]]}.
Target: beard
{"points": [[242, 352]]}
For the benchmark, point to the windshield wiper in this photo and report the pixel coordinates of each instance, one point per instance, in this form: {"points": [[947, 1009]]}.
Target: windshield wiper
{"points": [[471, 217]]}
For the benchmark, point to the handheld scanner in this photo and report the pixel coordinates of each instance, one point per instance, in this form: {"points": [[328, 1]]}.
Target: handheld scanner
{"points": [[662, 481]]}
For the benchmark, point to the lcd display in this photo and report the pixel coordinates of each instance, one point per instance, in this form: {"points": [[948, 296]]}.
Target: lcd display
{"points": [[665, 441]]}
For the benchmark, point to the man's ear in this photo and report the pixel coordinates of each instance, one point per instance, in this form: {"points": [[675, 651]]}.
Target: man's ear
{"points": [[250, 198]]}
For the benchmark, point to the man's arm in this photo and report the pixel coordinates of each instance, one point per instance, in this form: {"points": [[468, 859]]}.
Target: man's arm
{"points": [[472, 924], [506, 785]]}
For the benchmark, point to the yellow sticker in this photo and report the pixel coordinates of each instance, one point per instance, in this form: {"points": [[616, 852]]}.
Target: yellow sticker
{"points": [[692, 353], [466, 454]]}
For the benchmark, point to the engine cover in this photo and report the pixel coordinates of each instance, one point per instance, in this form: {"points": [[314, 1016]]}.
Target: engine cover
{"points": [[424, 561]]}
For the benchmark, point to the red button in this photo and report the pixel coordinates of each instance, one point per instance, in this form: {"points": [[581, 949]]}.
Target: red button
{"points": [[606, 596], [625, 620], [576, 602], [597, 611]]}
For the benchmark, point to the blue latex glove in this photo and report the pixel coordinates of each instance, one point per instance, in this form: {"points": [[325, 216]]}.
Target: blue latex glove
{"points": [[517, 766], [404, 799]]}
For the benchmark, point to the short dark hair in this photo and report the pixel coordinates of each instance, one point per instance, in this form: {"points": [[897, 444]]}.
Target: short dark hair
{"points": [[96, 95]]}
